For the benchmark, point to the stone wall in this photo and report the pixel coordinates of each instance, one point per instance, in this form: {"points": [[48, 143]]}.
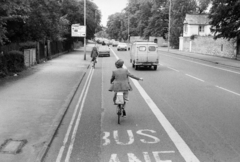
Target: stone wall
{"points": [[160, 41], [136, 38], [207, 45]]}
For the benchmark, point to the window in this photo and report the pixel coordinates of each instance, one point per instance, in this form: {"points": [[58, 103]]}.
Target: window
{"points": [[201, 28], [185, 28], [152, 48], [142, 48]]}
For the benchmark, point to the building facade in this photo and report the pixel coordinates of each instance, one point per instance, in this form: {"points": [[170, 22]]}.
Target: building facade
{"points": [[197, 38], [196, 24]]}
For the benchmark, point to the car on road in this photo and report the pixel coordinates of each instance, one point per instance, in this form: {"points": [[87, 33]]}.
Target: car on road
{"points": [[115, 43], [122, 46], [103, 51]]}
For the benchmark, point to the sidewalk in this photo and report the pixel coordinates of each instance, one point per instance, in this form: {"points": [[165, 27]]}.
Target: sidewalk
{"points": [[214, 59], [33, 104]]}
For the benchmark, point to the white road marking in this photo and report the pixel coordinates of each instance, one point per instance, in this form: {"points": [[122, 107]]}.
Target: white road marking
{"points": [[146, 157], [59, 157], [205, 64], [228, 90], [130, 135], [173, 69], [105, 138], [69, 152], [155, 139], [195, 78], [133, 158], [180, 144], [157, 158]]}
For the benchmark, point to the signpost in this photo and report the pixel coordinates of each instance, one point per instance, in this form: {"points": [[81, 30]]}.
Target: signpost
{"points": [[79, 31]]}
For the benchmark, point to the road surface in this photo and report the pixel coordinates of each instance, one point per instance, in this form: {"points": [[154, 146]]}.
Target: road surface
{"points": [[187, 110]]}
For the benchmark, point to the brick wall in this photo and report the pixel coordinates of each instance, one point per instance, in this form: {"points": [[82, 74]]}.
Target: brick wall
{"points": [[207, 45]]}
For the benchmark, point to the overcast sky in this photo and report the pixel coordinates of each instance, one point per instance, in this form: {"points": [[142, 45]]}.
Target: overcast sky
{"points": [[109, 7]]}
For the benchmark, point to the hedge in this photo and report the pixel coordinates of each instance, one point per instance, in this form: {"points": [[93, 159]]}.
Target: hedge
{"points": [[14, 61]]}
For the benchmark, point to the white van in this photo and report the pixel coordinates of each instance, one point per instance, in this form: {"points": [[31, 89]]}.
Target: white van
{"points": [[144, 54]]}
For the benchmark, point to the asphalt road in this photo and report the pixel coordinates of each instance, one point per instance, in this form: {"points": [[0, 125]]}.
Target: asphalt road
{"points": [[187, 110]]}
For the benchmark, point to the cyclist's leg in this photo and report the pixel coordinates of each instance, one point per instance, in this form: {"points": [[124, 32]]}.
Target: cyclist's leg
{"points": [[125, 96], [114, 98], [94, 61]]}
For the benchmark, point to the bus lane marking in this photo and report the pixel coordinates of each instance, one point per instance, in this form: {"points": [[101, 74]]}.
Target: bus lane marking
{"points": [[180, 144], [146, 156], [149, 138]]}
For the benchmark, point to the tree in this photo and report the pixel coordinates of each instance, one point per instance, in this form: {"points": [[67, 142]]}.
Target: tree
{"points": [[178, 13], [158, 22], [114, 25], [14, 10], [202, 6], [144, 14], [225, 18], [36, 20], [75, 15]]}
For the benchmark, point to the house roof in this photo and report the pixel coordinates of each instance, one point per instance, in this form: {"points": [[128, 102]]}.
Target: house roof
{"points": [[196, 19]]}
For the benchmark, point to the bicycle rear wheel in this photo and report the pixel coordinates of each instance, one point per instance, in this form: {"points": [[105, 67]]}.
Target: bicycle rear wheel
{"points": [[119, 113]]}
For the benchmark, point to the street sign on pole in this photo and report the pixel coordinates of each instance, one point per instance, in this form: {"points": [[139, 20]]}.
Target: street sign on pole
{"points": [[78, 30]]}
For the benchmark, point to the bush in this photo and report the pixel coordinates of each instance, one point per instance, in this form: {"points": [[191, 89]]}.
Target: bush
{"points": [[27, 45], [14, 61], [192, 37], [3, 71]]}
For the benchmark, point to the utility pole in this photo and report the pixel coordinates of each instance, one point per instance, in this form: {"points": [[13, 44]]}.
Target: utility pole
{"points": [[128, 22], [86, 29], [128, 29], [169, 24]]}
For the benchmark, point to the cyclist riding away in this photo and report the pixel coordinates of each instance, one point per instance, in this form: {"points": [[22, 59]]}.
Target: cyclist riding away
{"points": [[120, 82], [94, 55]]}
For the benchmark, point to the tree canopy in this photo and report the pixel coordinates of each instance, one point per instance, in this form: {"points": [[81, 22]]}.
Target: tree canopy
{"points": [[225, 18], [14, 10], [36, 20], [152, 19]]}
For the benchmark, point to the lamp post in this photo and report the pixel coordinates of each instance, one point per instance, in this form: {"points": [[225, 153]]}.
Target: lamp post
{"points": [[86, 29], [128, 29], [169, 24]]}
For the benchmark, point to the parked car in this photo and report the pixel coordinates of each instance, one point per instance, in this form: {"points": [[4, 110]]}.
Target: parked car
{"points": [[144, 54], [122, 46], [115, 43], [103, 51]]}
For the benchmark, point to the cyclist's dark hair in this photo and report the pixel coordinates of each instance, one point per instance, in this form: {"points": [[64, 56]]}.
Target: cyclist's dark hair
{"points": [[119, 63]]}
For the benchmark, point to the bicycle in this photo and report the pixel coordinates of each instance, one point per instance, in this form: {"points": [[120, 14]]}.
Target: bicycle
{"points": [[120, 105], [94, 62]]}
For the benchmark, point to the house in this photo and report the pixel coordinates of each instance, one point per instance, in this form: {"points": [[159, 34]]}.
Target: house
{"points": [[196, 24], [197, 38]]}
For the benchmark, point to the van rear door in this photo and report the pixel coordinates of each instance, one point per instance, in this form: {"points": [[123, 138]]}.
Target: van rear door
{"points": [[152, 53], [141, 53]]}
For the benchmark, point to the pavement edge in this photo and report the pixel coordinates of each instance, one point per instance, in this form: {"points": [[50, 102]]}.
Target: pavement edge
{"points": [[58, 120]]}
